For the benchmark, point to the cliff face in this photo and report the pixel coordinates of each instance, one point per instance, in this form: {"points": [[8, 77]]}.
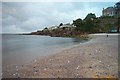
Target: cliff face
{"points": [[103, 22], [56, 32], [107, 24], [104, 25]]}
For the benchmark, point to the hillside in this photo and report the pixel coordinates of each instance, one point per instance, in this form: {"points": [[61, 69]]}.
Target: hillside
{"points": [[91, 24]]}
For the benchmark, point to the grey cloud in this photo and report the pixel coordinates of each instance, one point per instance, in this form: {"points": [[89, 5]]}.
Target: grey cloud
{"points": [[28, 17], [0, 18]]}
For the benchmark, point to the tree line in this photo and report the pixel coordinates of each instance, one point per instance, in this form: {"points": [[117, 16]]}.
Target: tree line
{"points": [[93, 24]]}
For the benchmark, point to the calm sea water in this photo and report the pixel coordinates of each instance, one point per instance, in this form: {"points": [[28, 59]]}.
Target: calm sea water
{"points": [[19, 49]]}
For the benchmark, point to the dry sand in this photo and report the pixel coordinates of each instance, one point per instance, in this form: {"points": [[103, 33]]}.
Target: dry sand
{"points": [[95, 58]]}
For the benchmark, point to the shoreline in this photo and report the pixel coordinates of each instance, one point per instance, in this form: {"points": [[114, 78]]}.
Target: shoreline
{"points": [[86, 60]]}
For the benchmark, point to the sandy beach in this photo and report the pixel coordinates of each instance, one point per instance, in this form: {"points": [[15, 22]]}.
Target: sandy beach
{"points": [[97, 58]]}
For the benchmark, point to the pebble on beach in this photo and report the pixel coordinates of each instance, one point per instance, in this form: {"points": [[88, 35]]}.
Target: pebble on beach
{"points": [[13, 74], [35, 60], [1, 74], [16, 66], [68, 61], [80, 62], [45, 69], [78, 67], [96, 50]]}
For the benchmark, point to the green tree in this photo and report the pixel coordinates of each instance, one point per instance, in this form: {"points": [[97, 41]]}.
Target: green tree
{"points": [[90, 23], [107, 27], [78, 23], [45, 29], [61, 24], [89, 26], [118, 21], [96, 25], [117, 24], [90, 16]]}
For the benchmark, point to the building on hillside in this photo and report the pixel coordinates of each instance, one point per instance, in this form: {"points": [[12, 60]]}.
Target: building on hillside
{"points": [[53, 27], [112, 11], [67, 25], [117, 8]]}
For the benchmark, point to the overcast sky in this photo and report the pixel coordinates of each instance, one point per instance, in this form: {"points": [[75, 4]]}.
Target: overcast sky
{"points": [[19, 17]]}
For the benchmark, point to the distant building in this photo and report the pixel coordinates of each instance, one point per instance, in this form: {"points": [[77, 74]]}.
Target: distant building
{"points": [[117, 8], [112, 11], [67, 25], [53, 27]]}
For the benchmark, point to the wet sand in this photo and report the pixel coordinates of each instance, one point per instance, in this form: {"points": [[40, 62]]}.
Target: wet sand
{"points": [[95, 58]]}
